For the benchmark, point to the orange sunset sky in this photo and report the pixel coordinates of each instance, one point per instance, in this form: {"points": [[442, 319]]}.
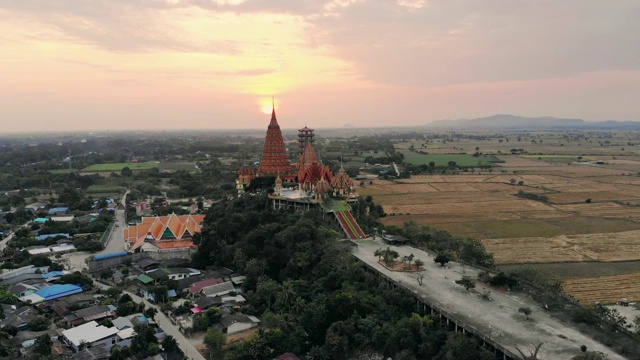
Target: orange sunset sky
{"points": [[214, 64]]}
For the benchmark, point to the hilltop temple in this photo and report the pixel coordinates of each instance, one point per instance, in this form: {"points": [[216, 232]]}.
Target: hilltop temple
{"points": [[309, 182]]}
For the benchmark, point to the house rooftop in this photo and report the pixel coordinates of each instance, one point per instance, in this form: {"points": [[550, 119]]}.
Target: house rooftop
{"points": [[95, 312], [89, 332], [199, 285], [218, 289]]}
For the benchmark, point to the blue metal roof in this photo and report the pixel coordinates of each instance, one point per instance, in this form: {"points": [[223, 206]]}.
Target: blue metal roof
{"points": [[58, 291], [51, 274], [49, 236], [58, 210]]}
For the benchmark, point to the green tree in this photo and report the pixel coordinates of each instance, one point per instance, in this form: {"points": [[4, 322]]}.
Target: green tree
{"points": [[213, 314], [126, 172], [151, 312], [442, 259], [287, 294], [526, 311], [144, 343], [105, 273], [43, 344], [214, 339], [40, 323], [467, 282], [267, 290], [462, 347], [200, 322], [419, 263], [169, 344]]}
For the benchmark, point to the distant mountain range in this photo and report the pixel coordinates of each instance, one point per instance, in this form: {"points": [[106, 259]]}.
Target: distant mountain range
{"points": [[505, 121]]}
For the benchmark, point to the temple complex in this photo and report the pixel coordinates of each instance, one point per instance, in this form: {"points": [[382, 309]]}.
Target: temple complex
{"points": [[306, 184]]}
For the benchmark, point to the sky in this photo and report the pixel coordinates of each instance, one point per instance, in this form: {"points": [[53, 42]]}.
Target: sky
{"points": [[215, 64]]}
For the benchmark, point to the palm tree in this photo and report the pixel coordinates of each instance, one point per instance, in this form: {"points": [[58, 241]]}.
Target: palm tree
{"points": [[287, 293], [298, 306], [379, 253]]}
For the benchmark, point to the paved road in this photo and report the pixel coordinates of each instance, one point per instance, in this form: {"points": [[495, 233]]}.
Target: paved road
{"points": [[187, 347], [115, 242], [3, 242]]}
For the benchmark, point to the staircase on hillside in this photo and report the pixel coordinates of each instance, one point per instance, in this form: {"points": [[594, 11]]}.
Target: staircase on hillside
{"points": [[349, 225]]}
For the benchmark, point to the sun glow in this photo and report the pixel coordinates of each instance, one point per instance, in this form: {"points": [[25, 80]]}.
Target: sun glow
{"points": [[266, 105]]}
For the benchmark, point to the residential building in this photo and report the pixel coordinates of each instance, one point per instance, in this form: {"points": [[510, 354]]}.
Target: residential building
{"points": [[91, 335], [219, 289], [232, 324]]}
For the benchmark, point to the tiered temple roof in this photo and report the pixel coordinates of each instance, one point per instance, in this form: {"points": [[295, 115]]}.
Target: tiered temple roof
{"points": [[274, 153]]}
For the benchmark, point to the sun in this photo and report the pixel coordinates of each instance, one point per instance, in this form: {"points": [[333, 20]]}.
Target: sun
{"points": [[266, 105]]}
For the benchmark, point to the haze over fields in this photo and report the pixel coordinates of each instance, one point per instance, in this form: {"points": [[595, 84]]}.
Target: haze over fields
{"points": [[176, 64]]}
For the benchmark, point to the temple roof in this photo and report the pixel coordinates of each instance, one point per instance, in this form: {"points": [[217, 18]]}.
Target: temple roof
{"points": [[179, 225], [274, 153], [309, 156]]}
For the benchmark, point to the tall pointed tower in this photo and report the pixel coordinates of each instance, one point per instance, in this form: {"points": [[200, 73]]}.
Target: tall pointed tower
{"points": [[274, 154]]}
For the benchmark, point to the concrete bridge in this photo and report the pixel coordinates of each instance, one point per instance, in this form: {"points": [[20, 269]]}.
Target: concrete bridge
{"points": [[496, 323]]}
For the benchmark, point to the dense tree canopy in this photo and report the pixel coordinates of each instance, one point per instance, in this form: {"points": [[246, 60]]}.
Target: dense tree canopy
{"points": [[313, 295]]}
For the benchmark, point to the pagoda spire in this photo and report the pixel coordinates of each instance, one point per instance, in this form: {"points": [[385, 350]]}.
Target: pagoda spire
{"points": [[274, 153], [274, 121]]}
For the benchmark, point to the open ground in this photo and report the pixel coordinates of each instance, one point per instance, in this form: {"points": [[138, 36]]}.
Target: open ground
{"points": [[592, 214]]}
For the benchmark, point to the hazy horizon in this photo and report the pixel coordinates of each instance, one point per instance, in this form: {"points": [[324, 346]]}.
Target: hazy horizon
{"points": [[75, 65]]}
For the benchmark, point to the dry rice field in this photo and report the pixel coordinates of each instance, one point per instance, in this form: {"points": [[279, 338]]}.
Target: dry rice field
{"points": [[523, 231], [604, 289]]}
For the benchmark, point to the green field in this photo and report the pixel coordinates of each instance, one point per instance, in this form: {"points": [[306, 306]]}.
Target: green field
{"points": [[117, 167], [175, 166], [63, 171], [516, 228], [105, 189], [583, 269], [443, 159]]}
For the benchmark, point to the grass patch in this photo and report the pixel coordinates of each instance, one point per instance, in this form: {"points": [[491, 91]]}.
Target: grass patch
{"points": [[117, 167], [499, 229], [110, 189], [443, 159], [176, 166], [583, 269], [63, 171]]}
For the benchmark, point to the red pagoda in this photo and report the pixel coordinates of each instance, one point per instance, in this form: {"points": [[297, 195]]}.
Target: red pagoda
{"points": [[274, 154]]}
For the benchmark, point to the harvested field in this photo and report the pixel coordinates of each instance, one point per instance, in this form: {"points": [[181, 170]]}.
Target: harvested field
{"points": [[581, 269], [605, 289], [621, 246], [594, 196]]}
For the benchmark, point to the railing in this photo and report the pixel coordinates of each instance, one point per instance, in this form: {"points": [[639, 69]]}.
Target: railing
{"points": [[107, 234], [345, 225], [355, 224]]}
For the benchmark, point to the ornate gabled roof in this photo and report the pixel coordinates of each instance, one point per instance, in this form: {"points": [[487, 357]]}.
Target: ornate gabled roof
{"points": [[245, 170], [342, 180], [155, 228]]}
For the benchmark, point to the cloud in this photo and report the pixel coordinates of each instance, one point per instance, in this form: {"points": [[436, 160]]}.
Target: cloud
{"points": [[115, 25], [459, 41]]}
